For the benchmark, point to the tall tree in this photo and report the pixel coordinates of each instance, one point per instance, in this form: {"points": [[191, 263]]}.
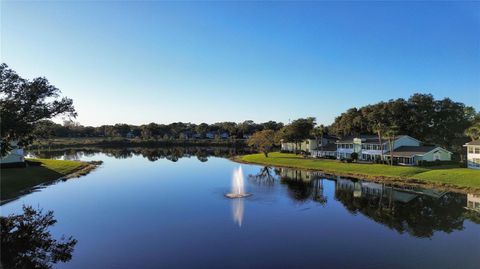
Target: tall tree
{"points": [[298, 130], [24, 103], [262, 141]]}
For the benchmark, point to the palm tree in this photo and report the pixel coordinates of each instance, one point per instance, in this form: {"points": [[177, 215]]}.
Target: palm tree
{"points": [[380, 129], [473, 132], [317, 132], [391, 133]]}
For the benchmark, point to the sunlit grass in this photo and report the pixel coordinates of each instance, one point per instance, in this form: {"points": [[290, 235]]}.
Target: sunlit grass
{"points": [[461, 177], [14, 180]]}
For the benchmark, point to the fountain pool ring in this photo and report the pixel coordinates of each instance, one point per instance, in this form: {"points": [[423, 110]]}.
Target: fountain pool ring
{"points": [[236, 195]]}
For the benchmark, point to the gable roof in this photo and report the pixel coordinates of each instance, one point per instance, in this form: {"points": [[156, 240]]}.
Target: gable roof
{"points": [[410, 151], [329, 147], [370, 139], [473, 143]]}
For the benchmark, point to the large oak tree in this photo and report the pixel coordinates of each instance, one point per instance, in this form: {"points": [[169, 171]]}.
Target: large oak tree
{"points": [[24, 103]]}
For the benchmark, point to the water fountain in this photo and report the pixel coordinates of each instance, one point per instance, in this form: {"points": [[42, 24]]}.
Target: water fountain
{"points": [[238, 185]]}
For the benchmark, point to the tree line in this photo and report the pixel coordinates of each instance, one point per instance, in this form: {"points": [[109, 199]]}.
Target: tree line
{"points": [[177, 130], [27, 107]]}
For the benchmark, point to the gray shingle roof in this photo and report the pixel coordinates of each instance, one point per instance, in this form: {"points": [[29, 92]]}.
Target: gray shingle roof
{"points": [[409, 151], [474, 143]]}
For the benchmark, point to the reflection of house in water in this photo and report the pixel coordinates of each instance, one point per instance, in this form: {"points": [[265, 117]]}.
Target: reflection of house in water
{"points": [[473, 202], [300, 175], [372, 189]]}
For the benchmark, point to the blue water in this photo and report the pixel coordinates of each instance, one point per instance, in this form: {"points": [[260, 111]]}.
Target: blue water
{"points": [[136, 213]]}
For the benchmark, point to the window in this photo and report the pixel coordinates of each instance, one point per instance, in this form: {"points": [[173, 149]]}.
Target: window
{"points": [[470, 149], [477, 150]]}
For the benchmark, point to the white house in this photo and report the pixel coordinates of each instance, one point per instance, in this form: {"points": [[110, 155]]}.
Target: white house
{"points": [[14, 158], [473, 154], [406, 149], [369, 147]]}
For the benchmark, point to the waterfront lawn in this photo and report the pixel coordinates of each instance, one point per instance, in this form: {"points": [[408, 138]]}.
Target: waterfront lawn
{"points": [[457, 176], [14, 180], [461, 177]]}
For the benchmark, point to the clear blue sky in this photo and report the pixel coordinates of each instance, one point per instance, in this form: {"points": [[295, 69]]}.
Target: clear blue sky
{"points": [[139, 62]]}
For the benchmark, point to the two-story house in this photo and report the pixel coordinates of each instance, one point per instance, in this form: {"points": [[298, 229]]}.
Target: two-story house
{"points": [[473, 154], [405, 150]]}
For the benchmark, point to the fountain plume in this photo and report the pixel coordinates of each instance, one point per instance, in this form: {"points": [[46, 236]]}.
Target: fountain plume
{"points": [[238, 185]]}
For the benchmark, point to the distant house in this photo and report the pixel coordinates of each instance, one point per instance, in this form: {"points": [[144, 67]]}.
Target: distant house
{"points": [[224, 135], [130, 135], [473, 154], [210, 135], [307, 145], [15, 158]]}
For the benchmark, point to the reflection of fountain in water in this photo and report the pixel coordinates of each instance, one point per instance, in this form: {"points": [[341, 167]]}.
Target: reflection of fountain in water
{"points": [[238, 185], [237, 211]]}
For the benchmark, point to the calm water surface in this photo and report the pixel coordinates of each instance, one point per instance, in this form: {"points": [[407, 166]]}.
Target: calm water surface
{"points": [[141, 212]]}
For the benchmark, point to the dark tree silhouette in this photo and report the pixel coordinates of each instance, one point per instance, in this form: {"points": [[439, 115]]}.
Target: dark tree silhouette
{"points": [[23, 104], [27, 243]]}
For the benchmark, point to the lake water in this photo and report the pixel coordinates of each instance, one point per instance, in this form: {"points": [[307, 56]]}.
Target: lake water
{"points": [[143, 210]]}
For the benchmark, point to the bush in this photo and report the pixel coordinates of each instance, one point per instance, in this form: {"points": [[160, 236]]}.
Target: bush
{"points": [[349, 160], [354, 156]]}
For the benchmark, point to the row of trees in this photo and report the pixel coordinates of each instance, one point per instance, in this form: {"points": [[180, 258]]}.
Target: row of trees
{"points": [[440, 122], [176, 130]]}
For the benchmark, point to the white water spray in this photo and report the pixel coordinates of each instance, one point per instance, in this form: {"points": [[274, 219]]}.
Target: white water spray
{"points": [[238, 184]]}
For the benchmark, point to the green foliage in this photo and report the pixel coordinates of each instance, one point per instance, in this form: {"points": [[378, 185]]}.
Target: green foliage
{"points": [[298, 130], [262, 141], [433, 121], [23, 104]]}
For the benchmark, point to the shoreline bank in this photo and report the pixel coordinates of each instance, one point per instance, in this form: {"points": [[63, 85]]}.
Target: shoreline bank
{"points": [[17, 182], [436, 178]]}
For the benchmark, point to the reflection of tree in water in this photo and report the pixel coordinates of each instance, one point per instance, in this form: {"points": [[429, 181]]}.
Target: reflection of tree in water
{"points": [[27, 243], [266, 176], [152, 154], [303, 185], [420, 217]]}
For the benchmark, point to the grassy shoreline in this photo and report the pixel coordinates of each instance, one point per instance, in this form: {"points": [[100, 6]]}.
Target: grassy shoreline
{"points": [[18, 181], [446, 177]]}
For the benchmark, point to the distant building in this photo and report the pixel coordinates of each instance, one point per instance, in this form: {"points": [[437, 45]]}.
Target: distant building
{"points": [[130, 135], [308, 145], [473, 154], [224, 135], [15, 158], [210, 135]]}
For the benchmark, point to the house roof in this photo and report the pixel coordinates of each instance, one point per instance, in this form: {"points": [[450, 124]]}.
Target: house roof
{"points": [[329, 147], [473, 143], [410, 151], [367, 139]]}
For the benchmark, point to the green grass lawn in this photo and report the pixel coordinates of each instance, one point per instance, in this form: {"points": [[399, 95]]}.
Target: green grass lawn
{"points": [[14, 180], [461, 177]]}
